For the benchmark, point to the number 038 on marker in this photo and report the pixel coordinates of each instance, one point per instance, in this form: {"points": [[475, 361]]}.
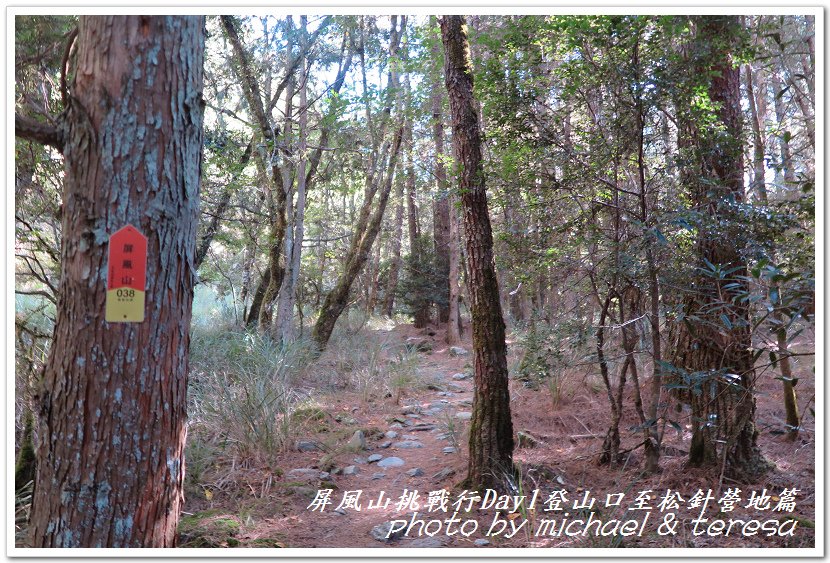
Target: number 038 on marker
{"points": [[126, 276]]}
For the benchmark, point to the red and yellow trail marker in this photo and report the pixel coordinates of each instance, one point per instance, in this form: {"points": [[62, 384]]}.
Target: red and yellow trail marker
{"points": [[126, 276]]}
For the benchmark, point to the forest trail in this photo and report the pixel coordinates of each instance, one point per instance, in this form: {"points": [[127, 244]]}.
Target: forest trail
{"points": [[380, 447], [421, 448]]}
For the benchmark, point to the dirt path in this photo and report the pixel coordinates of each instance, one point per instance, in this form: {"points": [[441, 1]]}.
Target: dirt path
{"points": [[414, 446]]}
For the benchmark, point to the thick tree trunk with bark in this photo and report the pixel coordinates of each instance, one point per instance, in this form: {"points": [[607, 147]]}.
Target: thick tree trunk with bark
{"points": [[113, 398], [714, 341], [491, 429]]}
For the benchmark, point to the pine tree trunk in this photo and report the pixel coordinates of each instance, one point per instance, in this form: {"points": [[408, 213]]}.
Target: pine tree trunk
{"points": [[719, 345], [113, 398], [491, 428]]}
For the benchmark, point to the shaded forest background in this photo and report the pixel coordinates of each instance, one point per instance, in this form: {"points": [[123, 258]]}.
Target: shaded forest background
{"points": [[633, 219]]}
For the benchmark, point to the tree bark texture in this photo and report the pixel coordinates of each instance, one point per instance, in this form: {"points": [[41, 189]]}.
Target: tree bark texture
{"points": [[714, 342], [113, 397], [491, 428]]}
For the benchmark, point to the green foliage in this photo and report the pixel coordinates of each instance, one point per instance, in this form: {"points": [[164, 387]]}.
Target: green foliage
{"points": [[420, 284]]}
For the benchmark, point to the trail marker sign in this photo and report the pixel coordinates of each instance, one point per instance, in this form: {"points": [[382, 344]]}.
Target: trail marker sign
{"points": [[126, 276]]}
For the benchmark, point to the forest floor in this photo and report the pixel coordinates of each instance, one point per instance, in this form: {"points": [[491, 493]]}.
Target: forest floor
{"points": [[425, 429]]}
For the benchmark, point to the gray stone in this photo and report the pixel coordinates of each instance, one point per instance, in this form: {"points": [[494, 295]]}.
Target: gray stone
{"points": [[381, 532], [416, 472], [415, 416], [464, 402], [456, 388], [408, 445], [374, 457], [357, 441], [423, 427], [391, 462], [306, 475], [376, 476], [396, 425], [391, 435], [360, 461], [305, 446], [464, 415], [411, 409], [458, 351], [347, 420], [447, 450], [350, 470], [386, 444], [449, 393], [426, 542], [307, 492], [443, 474], [481, 541], [460, 376], [340, 511], [410, 436]]}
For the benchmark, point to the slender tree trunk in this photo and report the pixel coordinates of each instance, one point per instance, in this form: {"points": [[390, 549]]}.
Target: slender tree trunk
{"points": [[651, 444], [269, 132], [112, 401], [756, 120], [373, 280], [790, 401], [284, 329], [256, 303], [441, 220], [368, 223], [337, 299], [454, 322], [418, 266], [786, 162], [491, 428], [395, 265]]}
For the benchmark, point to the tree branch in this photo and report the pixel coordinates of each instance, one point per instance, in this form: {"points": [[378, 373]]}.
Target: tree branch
{"points": [[29, 129]]}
